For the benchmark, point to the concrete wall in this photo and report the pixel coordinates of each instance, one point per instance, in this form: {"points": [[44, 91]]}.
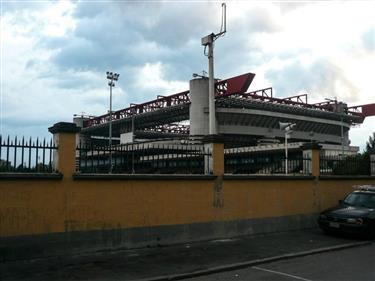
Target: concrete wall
{"points": [[59, 216]]}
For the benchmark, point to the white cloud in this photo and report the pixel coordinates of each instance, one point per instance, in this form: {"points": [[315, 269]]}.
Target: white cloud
{"points": [[151, 78], [55, 54]]}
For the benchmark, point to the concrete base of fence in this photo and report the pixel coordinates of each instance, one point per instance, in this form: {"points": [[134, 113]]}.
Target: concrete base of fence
{"points": [[78, 242]]}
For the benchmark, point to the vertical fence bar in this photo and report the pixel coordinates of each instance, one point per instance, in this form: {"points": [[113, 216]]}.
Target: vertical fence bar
{"points": [[44, 154], [22, 152], [37, 155], [1, 145], [29, 145], [133, 164], [15, 154], [92, 157], [7, 161], [51, 147]]}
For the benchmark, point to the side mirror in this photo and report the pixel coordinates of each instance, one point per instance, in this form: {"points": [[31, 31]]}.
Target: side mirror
{"points": [[341, 201]]}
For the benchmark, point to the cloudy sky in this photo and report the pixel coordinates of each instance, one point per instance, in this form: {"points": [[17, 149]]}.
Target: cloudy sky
{"points": [[54, 54]]}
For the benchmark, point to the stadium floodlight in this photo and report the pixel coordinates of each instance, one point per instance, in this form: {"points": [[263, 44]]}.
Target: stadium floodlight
{"points": [[111, 77]]}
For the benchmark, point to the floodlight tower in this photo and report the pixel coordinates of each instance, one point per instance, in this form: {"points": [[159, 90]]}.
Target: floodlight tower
{"points": [[208, 41], [111, 76]]}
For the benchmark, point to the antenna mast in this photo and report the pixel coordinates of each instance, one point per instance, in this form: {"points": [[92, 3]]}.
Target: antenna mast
{"points": [[208, 41]]}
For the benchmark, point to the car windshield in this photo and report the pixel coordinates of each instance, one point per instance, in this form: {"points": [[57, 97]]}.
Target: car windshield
{"points": [[361, 200]]}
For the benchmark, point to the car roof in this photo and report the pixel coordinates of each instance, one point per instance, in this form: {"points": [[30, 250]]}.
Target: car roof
{"points": [[364, 191], [367, 188]]}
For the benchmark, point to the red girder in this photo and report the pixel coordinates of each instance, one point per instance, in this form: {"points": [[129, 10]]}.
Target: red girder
{"points": [[266, 96], [179, 98], [365, 110], [262, 94], [298, 98], [234, 85]]}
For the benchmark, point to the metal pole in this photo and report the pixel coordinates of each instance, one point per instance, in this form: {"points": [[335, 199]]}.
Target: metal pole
{"points": [[110, 127], [286, 152], [111, 77], [342, 136], [133, 171], [211, 89]]}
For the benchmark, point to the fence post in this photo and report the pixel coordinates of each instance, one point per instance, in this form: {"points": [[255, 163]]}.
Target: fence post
{"points": [[311, 151], [64, 136], [215, 163]]}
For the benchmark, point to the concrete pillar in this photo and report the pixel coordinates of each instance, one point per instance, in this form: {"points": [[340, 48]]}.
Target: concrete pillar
{"points": [[215, 166], [311, 151], [198, 112], [218, 159], [64, 158], [215, 162]]}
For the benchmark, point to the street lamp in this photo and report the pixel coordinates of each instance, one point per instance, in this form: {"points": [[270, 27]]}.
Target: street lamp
{"points": [[111, 76], [287, 127], [204, 74]]}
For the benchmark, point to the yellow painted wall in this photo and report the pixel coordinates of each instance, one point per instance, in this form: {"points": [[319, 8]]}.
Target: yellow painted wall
{"points": [[245, 199], [47, 206], [52, 206], [31, 207]]}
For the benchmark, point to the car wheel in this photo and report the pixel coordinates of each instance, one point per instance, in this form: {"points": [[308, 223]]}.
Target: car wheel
{"points": [[326, 231], [371, 233]]}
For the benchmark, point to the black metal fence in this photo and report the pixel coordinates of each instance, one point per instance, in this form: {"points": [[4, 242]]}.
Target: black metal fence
{"points": [[142, 158], [240, 161], [345, 165], [26, 156]]}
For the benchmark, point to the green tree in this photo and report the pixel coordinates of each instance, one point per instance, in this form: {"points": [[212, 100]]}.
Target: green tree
{"points": [[370, 144]]}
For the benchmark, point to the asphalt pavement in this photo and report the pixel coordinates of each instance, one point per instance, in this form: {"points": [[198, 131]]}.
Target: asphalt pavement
{"points": [[351, 264], [176, 262]]}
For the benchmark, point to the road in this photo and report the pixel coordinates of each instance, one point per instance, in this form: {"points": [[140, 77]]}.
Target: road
{"points": [[354, 264]]}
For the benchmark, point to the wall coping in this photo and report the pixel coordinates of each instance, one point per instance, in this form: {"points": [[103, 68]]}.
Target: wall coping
{"points": [[64, 127], [31, 176], [268, 177], [217, 138], [79, 176], [346, 177], [311, 145]]}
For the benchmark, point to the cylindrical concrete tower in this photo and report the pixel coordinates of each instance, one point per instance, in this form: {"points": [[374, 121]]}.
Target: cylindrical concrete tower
{"points": [[198, 112], [81, 139]]}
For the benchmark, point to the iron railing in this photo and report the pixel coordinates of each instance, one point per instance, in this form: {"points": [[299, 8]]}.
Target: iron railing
{"points": [[240, 161], [26, 156], [142, 158], [345, 165]]}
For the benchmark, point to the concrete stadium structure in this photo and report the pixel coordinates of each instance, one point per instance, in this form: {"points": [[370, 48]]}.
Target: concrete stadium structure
{"points": [[242, 118]]}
